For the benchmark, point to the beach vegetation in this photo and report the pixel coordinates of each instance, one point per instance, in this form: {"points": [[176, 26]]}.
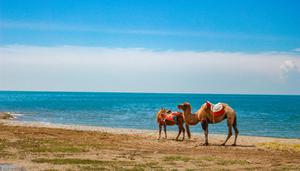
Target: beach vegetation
{"points": [[2, 144], [82, 150], [92, 168], [149, 165], [46, 145], [280, 146], [286, 167], [177, 158], [62, 161], [221, 161], [204, 161]]}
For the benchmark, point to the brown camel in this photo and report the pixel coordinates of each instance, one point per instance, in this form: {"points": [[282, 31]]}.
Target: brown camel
{"points": [[166, 117], [206, 116], [189, 118]]}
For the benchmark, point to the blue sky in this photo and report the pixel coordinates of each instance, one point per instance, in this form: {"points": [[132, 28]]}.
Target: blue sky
{"points": [[246, 25], [267, 31]]}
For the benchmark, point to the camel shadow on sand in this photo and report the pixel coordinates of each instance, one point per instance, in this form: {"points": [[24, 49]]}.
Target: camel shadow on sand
{"points": [[229, 145], [211, 144]]}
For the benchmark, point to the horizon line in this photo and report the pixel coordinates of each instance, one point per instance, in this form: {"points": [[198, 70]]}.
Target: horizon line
{"points": [[141, 92]]}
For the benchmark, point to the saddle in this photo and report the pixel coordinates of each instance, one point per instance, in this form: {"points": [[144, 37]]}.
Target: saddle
{"points": [[216, 109], [170, 116]]}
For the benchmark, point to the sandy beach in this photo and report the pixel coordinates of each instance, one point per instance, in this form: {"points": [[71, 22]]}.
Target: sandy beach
{"points": [[41, 146]]}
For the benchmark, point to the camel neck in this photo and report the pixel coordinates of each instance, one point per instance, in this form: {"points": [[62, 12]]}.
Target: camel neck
{"points": [[188, 116]]}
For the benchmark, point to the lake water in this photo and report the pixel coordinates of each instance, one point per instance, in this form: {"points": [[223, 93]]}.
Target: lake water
{"points": [[258, 115]]}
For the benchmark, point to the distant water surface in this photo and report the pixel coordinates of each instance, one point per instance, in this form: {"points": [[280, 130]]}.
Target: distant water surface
{"points": [[258, 115]]}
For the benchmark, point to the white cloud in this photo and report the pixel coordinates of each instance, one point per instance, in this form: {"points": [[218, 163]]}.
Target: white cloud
{"points": [[77, 68], [297, 50], [289, 70], [288, 66]]}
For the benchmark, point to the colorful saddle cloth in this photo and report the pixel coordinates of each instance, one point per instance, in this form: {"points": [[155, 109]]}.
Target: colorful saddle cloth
{"points": [[172, 116], [216, 109]]}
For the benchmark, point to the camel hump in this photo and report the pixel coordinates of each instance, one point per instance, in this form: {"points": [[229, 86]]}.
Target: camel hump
{"points": [[172, 117], [217, 107]]}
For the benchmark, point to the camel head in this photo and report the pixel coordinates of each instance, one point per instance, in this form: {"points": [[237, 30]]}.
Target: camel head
{"points": [[160, 114], [185, 106], [161, 111]]}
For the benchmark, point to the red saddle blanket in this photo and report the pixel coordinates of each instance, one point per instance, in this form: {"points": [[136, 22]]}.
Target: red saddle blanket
{"points": [[217, 109], [170, 117]]}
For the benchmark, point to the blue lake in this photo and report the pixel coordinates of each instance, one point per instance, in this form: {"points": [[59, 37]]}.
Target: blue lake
{"points": [[258, 115]]}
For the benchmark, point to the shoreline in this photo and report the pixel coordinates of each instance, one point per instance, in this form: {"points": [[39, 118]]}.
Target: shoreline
{"points": [[245, 139]]}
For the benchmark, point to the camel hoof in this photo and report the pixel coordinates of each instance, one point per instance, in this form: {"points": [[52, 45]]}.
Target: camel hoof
{"points": [[205, 144], [223, 144], [233, 144]]}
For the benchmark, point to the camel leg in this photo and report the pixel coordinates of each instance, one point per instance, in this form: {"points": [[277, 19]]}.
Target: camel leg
{"points": [[179, 132], [165, 130], [236, 131], [188, 130], [183, 130], [159, 131], [204, 125], [229, 132]]}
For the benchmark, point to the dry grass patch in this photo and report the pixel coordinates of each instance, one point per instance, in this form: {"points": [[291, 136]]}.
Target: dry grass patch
{"points": [[89, 164], [177, 158], [287, 167], [63, 161], [208, 160], [204, 161], [42, 145], [280, 146], [3, 143]]}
